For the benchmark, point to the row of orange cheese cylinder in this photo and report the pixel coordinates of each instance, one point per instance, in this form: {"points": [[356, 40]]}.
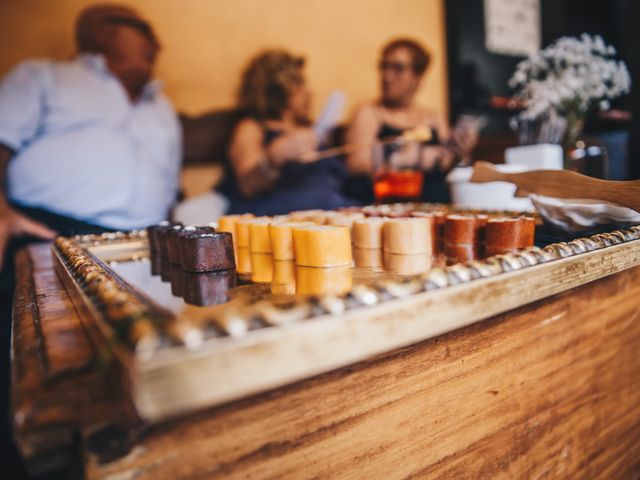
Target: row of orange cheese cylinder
{"points": [[298, 256], [318, 247]]}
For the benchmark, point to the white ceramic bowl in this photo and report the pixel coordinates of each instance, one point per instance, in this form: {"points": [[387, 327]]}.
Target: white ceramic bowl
{"points": [[575, 215], [488, 196]]}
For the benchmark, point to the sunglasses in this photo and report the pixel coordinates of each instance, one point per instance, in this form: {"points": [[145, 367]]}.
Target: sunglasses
{"points": [[395, 67]]}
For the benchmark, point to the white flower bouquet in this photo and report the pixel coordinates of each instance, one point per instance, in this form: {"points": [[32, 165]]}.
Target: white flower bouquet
{"points": [[562, 83]]}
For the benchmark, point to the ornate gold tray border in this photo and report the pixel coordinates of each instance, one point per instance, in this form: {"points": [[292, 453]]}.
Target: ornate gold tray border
{"points": [[173, 367]]}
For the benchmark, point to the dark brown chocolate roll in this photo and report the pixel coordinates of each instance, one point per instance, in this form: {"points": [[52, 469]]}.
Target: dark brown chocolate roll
{"points": [[205, 250], [171, 243], [208, 288], [176, 274], [153, 237], [158, 238], [156, 261], [165, 269]]}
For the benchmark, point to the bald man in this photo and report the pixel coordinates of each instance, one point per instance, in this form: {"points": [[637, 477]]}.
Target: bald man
{"points": [[86, 145], [91, 143]]}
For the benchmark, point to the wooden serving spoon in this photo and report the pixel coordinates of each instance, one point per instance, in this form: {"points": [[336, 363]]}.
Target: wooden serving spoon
{"points": [[563, 184]]}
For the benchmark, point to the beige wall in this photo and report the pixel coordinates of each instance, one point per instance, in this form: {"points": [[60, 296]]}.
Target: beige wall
{"points": [[207, 42]]}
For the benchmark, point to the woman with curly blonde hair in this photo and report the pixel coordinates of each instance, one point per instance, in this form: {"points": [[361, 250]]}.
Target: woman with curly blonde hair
{"points": [[269, 172]]}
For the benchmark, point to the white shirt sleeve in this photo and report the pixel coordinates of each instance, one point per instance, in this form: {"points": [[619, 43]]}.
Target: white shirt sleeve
{"points": [[22, 96]]}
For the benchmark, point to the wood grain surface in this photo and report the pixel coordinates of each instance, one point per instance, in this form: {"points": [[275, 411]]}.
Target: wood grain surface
{"points": [[549, 390], [58, 384]]}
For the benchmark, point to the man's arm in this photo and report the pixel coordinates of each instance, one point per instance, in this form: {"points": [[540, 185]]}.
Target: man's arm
{"points": [[12, 223]]}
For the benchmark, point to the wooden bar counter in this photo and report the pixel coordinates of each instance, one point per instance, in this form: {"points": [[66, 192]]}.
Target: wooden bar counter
{"points": [[550, 389]]}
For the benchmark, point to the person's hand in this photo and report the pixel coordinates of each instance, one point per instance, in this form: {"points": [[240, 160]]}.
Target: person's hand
{"points": [[436, 156], [14, 224], [295, 145], [463, 140]]}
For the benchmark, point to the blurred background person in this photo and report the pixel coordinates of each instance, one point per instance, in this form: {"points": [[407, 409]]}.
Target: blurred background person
{"points": [[270, 170], [402, 66], [86, 145]]}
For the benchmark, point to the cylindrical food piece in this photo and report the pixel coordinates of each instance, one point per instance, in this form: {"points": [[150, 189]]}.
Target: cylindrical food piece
{"points": [[407, 264], [527, 232], [281, 237], [227, 223], [481, 234], [283, 271], [259, 241], [209, 288], [153, 235], [176, 274], [460, 229], [344, 219], [322, 246], [315, 216], [205, 250], [438, 220], [434, 229], [173, 249], [460, 238], [161, 235], [367, 257], [311, 281], [503, 232], [408, 236], [461, 252], [165, 269], [261, 267], [243, 263], [367, 233], [284, 278], [242, 231]]}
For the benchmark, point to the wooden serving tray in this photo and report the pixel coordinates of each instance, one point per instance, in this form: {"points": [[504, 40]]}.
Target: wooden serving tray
{"points": [[173, 364]]}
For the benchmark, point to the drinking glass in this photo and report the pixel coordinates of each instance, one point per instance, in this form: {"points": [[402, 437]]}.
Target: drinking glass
{"points": [[397, 176]]}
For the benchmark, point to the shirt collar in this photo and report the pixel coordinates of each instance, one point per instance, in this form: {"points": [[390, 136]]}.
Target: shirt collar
{"points": [[98, 63]]}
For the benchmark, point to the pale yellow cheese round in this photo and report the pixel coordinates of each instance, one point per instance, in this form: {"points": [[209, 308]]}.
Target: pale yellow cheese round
{"points": [[407, 264], [281, 237], [345, 219], [322, 246], [323, 281], [367, 232], [259, 241], [367, 257], [407, 236]]}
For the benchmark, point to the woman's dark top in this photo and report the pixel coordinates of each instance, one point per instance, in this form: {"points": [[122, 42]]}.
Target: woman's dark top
{"points": [[300, 186]]}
